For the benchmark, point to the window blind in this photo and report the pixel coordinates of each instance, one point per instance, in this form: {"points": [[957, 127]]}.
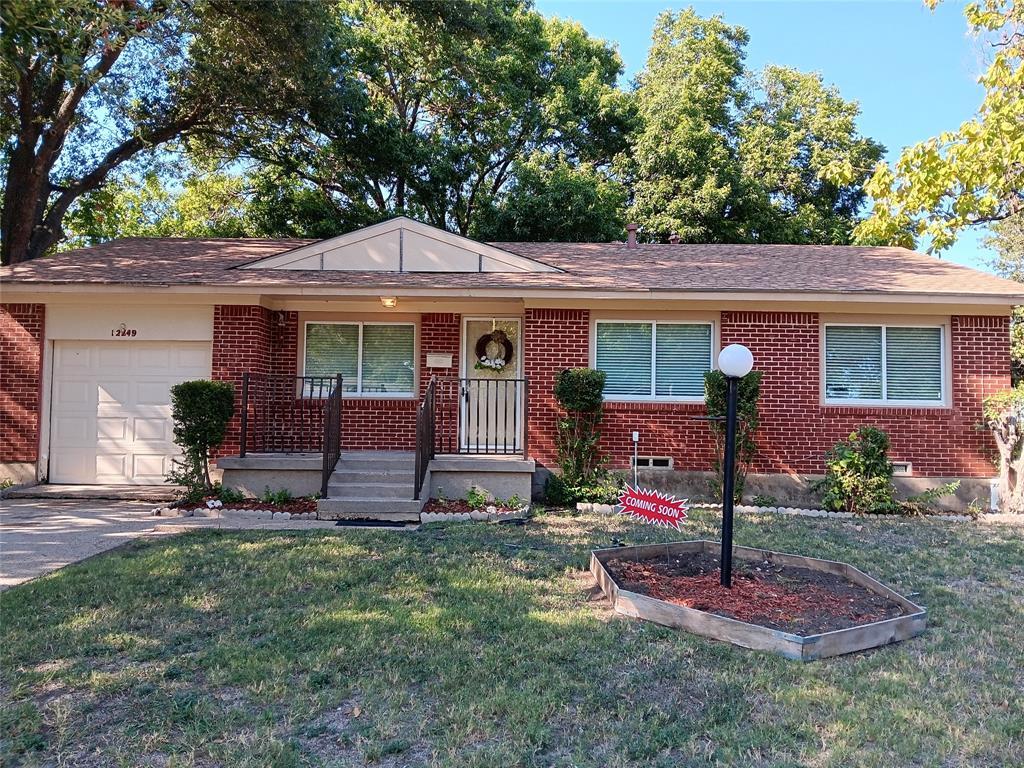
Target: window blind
{"points": [[333, 348], [683, 357], [651, 360], [883, 363], [624, 354], [372, 358], [388, 358], [913, 363]]}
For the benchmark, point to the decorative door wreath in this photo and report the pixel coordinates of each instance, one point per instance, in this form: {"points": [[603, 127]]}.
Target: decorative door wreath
{"points": [[494, 351]]}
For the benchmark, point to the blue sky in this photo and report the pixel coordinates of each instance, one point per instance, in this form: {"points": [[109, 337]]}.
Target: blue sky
{"points": [[912, 70]]}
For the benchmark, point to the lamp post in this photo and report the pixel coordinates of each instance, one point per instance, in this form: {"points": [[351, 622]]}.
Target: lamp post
{"points": [[735, 361]]}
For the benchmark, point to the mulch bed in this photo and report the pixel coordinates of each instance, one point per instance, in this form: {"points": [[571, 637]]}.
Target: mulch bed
{"points": [[792, 599], [294, 506], [459, 506]]}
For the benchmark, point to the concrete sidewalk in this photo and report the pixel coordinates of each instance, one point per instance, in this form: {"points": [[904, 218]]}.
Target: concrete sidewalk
{"points": [[38, 536]]}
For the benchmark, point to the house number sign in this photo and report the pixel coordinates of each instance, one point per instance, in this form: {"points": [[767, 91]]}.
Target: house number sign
{"points": [[122, 331]]}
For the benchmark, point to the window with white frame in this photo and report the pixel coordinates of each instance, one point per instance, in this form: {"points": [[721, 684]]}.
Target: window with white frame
{"points": [[884, 364], [372, 358], [653, 360]]}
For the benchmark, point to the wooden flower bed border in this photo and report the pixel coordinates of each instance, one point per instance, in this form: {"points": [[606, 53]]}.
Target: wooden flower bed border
{"points": [[744, 634]]}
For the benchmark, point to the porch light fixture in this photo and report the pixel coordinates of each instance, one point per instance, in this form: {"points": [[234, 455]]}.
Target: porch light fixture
{"points": [[735, 361], [389, 301]]}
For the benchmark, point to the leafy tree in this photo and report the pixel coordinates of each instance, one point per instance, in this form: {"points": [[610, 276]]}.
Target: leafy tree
{"points": [[682, 165], [450, 113], [88, 87], [803, 157], [1007, 239], [971, 176], [211, 204], [726, 155], [550, 199]]}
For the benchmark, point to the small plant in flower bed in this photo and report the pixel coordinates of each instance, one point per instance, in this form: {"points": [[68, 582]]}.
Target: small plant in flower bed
{"points": [[231, 498], [476, 499]]}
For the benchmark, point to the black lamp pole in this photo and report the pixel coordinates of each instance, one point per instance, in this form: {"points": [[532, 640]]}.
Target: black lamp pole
{"points": [[728, 480]]}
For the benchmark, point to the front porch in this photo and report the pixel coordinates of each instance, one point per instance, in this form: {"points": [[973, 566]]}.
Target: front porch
{"points": [[294, 435]]}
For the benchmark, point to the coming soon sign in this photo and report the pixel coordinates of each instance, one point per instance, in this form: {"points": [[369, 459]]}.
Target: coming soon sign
{"points": [[651, 506]]}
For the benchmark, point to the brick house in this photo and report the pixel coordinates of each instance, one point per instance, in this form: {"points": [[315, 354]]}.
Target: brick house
{"points": [[93, 339]]}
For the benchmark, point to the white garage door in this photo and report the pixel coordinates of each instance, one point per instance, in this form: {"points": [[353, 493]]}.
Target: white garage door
{"points": [[111, 412]]}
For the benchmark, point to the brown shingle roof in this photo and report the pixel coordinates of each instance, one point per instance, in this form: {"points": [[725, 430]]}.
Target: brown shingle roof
{"points": [[587, 266]]}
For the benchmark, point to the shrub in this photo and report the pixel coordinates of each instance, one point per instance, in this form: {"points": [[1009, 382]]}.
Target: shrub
{"points": [[579, 392], [201, 411], [282, 496], [748, 419], [477, 498], [858, 474], [602, 489], [228, 495]]}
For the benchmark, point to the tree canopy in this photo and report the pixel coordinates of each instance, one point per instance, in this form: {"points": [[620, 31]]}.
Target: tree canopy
{"points": [[966, 177], [727, 155], [214, 117]]}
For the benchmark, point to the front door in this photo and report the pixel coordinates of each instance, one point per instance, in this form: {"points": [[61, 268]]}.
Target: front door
{"points": [[493, 389]]}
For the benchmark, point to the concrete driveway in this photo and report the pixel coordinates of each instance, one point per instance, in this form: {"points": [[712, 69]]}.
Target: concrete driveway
{"points": [[41, 535]]}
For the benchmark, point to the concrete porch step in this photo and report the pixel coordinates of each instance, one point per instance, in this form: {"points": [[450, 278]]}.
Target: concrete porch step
{"points": [[347, 490], [357, 476], [377, 460], [369, 508]]}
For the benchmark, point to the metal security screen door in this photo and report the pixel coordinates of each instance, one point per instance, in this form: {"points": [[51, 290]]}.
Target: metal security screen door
{"points": [[493, 390]]}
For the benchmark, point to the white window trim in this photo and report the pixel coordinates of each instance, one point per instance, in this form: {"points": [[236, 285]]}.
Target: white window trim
{"points": [[411, 395], [942, 402], [652, 398]]}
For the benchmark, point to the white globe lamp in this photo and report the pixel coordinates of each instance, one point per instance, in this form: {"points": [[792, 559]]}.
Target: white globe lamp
{"points": [[735, 361]]}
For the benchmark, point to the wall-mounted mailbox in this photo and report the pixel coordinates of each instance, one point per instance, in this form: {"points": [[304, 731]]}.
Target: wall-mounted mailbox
{"points": [[439, 361]]}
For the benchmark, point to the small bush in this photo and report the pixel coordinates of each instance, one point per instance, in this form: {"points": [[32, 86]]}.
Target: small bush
{"points": [[282, 496], [858, 474], [601, 489], [924, 503], [201, 411], [761, 500], [228, 495], [477, 498]]}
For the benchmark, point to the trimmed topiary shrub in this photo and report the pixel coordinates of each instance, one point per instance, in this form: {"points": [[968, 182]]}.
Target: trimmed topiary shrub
{"points": [[201, 411], [748, 392], [580, 393]]}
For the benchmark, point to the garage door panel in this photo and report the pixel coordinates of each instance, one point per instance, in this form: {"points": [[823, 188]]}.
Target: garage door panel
{"points": [[111, 428], [111, 413], [152, 429]]}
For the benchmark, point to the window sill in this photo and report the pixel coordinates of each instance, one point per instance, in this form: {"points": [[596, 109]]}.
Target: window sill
{"points": [[888, 408], [655, 405]]}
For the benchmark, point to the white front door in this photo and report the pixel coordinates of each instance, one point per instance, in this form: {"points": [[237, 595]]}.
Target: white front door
{"points": [[111, 408], [493, 390]]}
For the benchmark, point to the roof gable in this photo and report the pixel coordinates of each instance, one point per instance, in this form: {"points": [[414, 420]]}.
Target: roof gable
{"points": [[400, 245]]}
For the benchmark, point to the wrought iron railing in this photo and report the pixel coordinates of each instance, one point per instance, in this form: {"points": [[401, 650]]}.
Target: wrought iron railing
{"points": [[284, 414], [481, 416], [425, 435], [332, 434]]}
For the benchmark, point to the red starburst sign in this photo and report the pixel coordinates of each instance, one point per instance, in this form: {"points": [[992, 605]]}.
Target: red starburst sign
{"points": [[651, 506]]}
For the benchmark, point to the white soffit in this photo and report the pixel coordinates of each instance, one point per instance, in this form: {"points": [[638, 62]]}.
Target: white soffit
{"points": [[400, 245]]}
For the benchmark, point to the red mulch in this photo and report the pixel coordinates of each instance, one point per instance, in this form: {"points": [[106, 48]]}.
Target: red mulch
{"points": [[457, 506], [792, 599], [294, 506]]}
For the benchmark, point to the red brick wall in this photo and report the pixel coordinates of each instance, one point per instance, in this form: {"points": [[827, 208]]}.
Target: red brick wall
{"points": [[21, 360], [796, 430], [553, 339]]}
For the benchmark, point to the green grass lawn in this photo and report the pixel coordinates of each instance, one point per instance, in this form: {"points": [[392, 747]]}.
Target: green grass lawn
{"points": [[484, 645]]}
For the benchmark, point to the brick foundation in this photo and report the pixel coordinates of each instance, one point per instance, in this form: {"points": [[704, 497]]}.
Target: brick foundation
{"points": [[21, 360]]}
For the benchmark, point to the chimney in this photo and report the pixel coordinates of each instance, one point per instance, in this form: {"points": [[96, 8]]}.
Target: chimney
{"points": [[631, 235], [674, 239]]}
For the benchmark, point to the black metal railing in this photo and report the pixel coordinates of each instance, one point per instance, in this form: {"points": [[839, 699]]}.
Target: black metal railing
{"points": [[332, 434], [481, 416], [284, 414], [425, 435]]}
